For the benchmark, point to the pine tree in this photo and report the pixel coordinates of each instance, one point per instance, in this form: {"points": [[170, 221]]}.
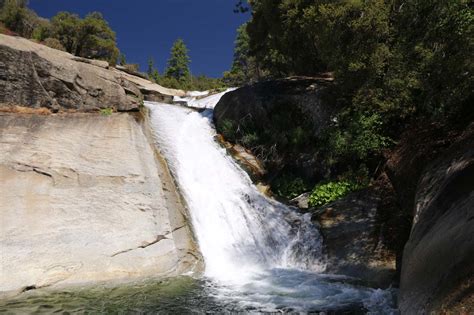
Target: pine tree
{"points": [[178, 64], [151, 66], [244, 68], [122, 59], [153, 74]]}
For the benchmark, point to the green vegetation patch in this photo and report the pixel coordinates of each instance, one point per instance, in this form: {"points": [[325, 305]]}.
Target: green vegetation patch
{"points": [[289, 187], [106, 111], [325, 193], [89, 37]]}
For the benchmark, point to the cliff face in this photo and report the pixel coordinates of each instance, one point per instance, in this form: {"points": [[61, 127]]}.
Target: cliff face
{"points": [[85, 199], [437, 269], [35, 75]]}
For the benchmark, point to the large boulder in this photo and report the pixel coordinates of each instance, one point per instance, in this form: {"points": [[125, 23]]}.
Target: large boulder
{"points": [[260, 100], [85, 199], [438, 260], [278, 120], [151, 91], [34, 75], [361, 235]]}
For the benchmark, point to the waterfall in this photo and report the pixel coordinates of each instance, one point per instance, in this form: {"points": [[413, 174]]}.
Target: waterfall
{"points": [[192, 99], [260, 252]]}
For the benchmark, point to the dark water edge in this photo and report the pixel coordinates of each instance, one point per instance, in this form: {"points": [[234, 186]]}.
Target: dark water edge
{"points": [[182, 295]]}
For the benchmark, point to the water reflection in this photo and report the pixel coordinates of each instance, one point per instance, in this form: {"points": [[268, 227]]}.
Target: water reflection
{"points": [[281, 292]]}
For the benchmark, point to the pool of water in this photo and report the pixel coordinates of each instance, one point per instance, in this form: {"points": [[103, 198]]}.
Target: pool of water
{"points": [[186, 295]]}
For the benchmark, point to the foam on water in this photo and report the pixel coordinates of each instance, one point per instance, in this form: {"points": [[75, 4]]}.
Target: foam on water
{"points": [[193, 100], [259, 253]]}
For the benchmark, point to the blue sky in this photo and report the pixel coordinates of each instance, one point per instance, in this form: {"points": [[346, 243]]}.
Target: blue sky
{"points": [[148, 28]]}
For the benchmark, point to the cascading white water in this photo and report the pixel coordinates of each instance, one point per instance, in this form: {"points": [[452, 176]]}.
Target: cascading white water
{"points": [[261, 253], [193, 100], [240, 232]]}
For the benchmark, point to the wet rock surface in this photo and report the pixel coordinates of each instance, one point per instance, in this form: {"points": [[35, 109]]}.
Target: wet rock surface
{"points": [[245, 158]]}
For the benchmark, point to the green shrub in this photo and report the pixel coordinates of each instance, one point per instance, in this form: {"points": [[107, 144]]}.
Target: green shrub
{"points": [[250, 140], [220, 89], [228, 130], [169, 82], [42, 31], [54, 43], [106, 111], [5, 30], [132, 67], [289, 187], [16, 16], [357, 135], [325, 193], [90, 37]]}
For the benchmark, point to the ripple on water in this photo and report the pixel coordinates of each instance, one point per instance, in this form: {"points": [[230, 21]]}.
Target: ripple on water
{"points": [[185, 295]]}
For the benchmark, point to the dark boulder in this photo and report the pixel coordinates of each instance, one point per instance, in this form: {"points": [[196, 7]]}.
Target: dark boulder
{"points": [[438, 260], [278, 121], [361, 235]]}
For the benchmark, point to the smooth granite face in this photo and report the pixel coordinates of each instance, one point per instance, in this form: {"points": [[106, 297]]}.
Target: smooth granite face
{"points": [[438, 261], [85, 199]]}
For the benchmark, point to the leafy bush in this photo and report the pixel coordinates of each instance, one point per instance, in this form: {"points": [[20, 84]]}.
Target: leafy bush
{"points": [[5, 30], [220, 89], [288, 186], [325, 193], [54, 43], [250, 140], [18, 18], [205, 83], [90, 37], [42, 31], [356, 136], [131, 67], [228, 129], [12, 14], [170, 82]]}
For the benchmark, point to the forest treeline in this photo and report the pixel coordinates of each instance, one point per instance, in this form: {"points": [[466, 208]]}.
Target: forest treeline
{"points": [[395, 64], [92, 37], [400, 58]]}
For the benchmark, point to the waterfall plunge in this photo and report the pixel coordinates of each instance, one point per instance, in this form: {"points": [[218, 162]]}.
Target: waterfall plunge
{"points": [[259, 252], [240, 232]]}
